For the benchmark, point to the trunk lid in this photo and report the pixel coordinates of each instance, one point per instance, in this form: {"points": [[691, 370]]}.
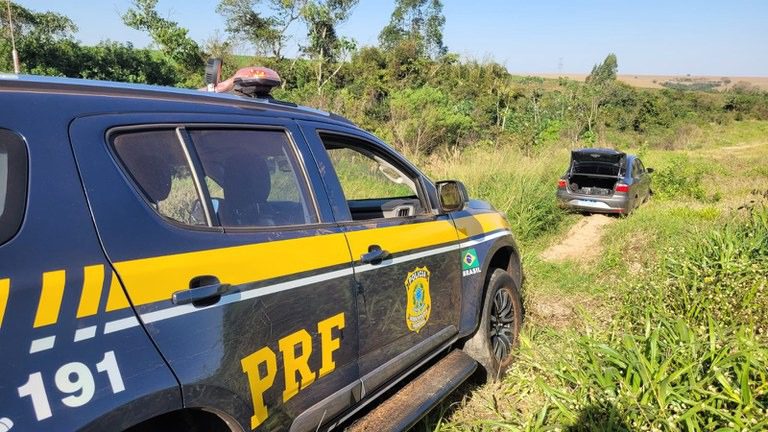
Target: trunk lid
{"points": [[597, 156]]}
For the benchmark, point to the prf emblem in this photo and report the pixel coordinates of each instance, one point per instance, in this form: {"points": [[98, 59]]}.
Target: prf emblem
{"points": [[419, 302]]}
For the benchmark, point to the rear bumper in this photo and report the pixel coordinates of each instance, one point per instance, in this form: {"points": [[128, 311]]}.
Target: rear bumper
{"points": [[616, 203]]}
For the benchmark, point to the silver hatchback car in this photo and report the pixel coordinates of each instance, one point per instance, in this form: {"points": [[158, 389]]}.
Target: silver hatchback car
{"points": [[602, 180]]}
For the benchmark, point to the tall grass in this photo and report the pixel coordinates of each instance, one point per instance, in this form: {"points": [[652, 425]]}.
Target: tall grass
{"points": [[722, 276], [523, 187]]}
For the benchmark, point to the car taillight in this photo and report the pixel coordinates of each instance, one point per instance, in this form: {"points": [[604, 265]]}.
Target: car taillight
{"points": [[621, 187], [561, 184]]}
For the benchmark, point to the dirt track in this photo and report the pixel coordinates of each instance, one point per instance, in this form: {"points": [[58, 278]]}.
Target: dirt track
{"points": [[582, 241]]}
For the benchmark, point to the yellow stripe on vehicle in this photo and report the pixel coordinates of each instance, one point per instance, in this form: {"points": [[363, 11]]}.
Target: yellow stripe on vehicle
{"points": [[470, 226], [93, 280], [150, 280], [401, 238], [155, 279], [50, 298], [5, 289], [116, 298]]}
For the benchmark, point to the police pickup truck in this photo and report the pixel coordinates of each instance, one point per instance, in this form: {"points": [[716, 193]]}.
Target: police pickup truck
{"points": [[184, 260]]}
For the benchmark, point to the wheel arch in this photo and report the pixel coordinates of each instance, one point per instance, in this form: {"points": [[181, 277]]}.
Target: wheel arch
{"points": [[503, 254], [190, 419], [505, 257]]}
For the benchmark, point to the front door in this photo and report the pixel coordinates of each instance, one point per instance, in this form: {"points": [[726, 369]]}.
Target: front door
{"points": [[644, 179], [406, 257], [229, 256]]}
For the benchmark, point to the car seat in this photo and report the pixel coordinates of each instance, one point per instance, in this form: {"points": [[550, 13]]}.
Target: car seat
{"points": [[153, 174], [247, 184]]}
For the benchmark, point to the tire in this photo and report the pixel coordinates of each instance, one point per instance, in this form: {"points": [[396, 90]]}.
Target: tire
{"points": [[501, 318]]}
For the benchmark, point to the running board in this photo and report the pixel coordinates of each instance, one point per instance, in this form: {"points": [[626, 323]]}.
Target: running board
{"points": [[406, 407]]}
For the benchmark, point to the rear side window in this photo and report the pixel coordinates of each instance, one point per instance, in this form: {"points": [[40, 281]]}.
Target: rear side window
{"points": [[156, 161], [13, 183], [640, 166], [254, 177], [637, 168]]}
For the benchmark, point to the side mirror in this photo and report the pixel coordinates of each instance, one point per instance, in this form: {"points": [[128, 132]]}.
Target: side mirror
{"points": [[649, 170], [453, 195]]}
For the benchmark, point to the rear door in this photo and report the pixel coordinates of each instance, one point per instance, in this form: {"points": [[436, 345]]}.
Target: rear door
{"points": [[63, 368], [228, 254], [406, 256]]}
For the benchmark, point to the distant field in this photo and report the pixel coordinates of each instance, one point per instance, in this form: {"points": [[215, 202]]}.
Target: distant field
{"points": [[656, 81]]}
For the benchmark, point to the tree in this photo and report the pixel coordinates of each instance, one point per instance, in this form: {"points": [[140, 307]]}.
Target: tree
{"points": [[115, 61], [45, 41], [605, 72], [419, 22], [268, 34], [172, 39], [325, 46], [425, 118], [47, 46]]}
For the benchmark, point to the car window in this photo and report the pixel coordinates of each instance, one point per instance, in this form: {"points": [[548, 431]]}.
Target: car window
{"points": [[368, 175], [13, 183], [363, 177], [636, 168], [254, 177], [156, 161], [640, 167]]}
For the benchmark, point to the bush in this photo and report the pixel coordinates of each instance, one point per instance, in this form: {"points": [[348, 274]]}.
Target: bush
{"points": [[679, 178], [425, 118]]}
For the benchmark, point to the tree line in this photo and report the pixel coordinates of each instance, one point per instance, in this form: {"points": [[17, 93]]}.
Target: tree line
{"points": [[409, 89]]}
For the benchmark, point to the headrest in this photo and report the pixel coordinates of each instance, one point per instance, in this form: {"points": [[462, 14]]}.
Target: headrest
{"points": [[245, 179], [153, 174]]}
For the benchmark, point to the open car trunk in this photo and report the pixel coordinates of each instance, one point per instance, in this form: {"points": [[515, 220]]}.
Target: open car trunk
{"points": [[590, 185], [595, 172]]}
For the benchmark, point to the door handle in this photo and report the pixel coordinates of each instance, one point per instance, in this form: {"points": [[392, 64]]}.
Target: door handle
{"points": [[375, 255], [202, 291]]}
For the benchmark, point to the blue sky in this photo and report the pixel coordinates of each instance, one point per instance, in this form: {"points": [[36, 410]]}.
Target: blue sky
{"points": [[704, 37]]}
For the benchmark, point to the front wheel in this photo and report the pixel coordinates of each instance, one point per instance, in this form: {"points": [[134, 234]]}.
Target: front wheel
{"points": [[501, 318]]}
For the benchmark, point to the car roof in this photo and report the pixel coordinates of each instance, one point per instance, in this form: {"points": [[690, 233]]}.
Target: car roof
{"points": [[76, 86]]}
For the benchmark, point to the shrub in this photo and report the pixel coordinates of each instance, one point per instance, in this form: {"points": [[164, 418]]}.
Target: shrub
{"points": [[425, 118], [679, 178]]}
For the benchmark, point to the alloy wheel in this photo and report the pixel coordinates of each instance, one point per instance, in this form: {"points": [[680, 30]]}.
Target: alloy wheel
{"points": [[502, 324]]}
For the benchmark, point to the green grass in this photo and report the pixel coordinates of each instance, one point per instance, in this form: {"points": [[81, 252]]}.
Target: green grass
{"points": [[666, 329]]}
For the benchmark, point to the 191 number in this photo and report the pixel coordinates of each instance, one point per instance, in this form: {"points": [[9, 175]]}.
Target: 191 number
{"points": [[73, 379]]}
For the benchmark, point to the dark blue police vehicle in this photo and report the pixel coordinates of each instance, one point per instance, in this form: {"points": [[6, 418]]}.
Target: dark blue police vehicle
{"points": [[181, 260]]}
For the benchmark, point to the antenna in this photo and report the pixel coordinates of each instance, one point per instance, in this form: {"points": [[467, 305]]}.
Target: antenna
{"points": [[14, 53]]}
